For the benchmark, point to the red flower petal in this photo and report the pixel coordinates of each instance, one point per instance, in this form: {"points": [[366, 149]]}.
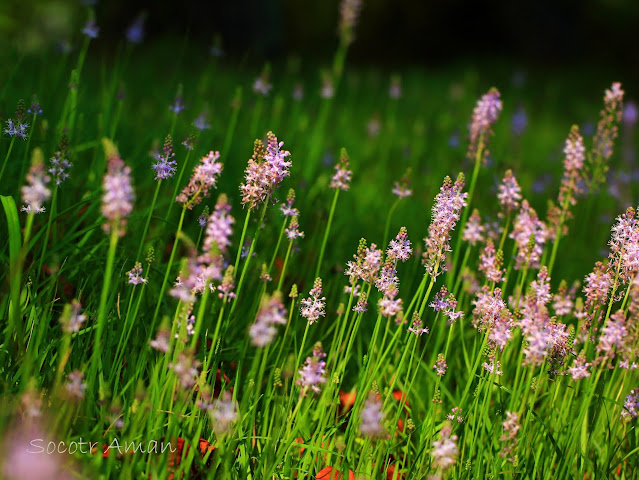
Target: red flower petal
{"points": [[330, 473]]}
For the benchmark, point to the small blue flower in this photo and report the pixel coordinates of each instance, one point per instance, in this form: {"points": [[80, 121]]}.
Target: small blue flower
{"points": [[201, 123], [90, 29], [35, 109], [519, 121], [17, 129], [178, 105], [164, 168], [135, 32]]}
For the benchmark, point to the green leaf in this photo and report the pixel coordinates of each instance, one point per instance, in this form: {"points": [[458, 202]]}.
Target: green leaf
{"points": [[13, 224]]}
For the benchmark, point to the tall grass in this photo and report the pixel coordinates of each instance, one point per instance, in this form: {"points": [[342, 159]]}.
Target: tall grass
{"points": [[195, 328]]}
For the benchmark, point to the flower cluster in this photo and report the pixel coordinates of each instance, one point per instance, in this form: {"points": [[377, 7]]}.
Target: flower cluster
{"points": [[209, 265], [399, 249], [271, 313], [135, 31], [484, 116], [563, 303], [631, 405], [203, 179], [607, 129], [624, 245], [219, 227], [165, 166], [225, 289], [76, 385], [178, 104], [446, 211], [387, 277], [135, 275], [603, 141], [328, 88], [597, 286], [60, 163], [196, 275], [511, 427], [493, 367], [613, 335], [313, 373], [579, 368], [455, 415], [187, 370], [362, 303], [287, 209], [509, 194], [201, 123], [17, 129], [474, 230], [72, 319], [530, 235], [490, 263], [349, 12], [401, 189], [224, 413], [36, 193], [292, 230], [313, 307], [571, 182], [265, 171], [117, 201], [395, 87], [91, 29], [342, 177], [445, 302], [445, 449], [371, 417], [367, 264], [261, 85], [417, 327], [388, 305], [491, 314], [162, 340], [545, 338], [440, 367]]}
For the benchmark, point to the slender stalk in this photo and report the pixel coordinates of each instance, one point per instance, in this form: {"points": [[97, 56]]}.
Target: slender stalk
{"points": [[228, 138], [466, 212], [45, 243], [558, 231], [177, 185], [242, 237], [388, 220], [148, 220], [6, 158], [283, 274], [102, 309], [168, 270], [16, 285], [326, 233], [23, 170]]}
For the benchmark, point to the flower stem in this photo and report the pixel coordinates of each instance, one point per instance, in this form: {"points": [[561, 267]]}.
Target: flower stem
{"points": [[177, 185], [283, 274], [168, 269], [52, 213], [6, 158], [326, 233], [16, 285], [148, 221], [464, 218], [102, 309]]}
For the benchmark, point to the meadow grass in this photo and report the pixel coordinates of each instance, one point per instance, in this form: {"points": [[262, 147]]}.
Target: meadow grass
{"points": [[341, 308]]}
